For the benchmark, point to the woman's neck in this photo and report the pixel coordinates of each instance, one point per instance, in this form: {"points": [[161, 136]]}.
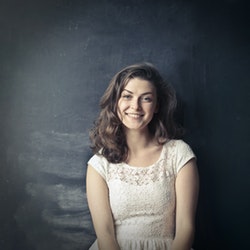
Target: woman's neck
{"points": [[137, 140], [143, 148]]}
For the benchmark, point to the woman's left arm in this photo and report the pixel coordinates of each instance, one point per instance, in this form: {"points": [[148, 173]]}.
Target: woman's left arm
{"points": [[187, 189]]}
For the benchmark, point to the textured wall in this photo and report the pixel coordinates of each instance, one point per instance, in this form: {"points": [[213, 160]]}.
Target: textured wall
{"points": [[57, 58]]}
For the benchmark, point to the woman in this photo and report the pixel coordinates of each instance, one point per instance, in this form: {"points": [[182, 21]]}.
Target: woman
{"points": [[142, 182]]}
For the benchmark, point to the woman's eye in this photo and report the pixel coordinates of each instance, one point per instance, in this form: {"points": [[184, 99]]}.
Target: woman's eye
{"points": [[127, 97], [147, 99]]}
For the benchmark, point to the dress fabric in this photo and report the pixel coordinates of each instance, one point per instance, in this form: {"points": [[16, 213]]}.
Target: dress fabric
{"points": [[142, 199]]}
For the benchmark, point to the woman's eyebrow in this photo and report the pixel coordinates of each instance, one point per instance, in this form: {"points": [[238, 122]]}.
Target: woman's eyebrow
{"points": [[146, 93], [128, 91]]}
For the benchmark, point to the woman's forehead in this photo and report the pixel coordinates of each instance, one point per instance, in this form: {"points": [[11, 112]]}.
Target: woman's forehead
{"points": [[139, 85]]}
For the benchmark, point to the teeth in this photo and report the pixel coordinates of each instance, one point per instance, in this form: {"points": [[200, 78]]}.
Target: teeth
{"points": [[134, 115]]}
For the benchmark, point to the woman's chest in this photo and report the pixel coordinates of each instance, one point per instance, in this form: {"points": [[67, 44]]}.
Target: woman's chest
{"points": [[135, 192]]}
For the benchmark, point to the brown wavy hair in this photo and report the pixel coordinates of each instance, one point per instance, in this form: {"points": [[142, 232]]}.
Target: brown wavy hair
{"points": [[107, 135]]}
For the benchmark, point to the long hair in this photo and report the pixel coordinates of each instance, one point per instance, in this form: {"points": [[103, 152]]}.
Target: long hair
{"points": [[107, 135]]}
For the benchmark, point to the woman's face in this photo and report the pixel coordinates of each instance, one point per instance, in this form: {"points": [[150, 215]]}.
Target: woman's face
{"points": [[137, 104]]}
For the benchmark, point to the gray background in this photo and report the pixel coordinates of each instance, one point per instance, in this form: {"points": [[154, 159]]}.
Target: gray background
{"points": [[56, 59]]}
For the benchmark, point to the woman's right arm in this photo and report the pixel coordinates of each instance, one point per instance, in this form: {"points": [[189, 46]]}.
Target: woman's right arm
{"points": [[98, 201]]}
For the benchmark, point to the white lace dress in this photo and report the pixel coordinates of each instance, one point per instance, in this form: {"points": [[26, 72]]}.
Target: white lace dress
{"points": [[143, 198]]}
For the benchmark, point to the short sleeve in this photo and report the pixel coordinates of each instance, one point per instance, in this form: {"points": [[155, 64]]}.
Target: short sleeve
{"points": [[184, 153], [100, 164]]}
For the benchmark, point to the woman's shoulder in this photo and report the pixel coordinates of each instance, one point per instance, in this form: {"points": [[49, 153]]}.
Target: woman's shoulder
{"points": [[99, 163], [178, 147], [97, 159], [180, 151], [176, 143]]}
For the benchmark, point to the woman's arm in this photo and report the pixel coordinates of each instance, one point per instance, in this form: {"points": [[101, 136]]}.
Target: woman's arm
{"points": [[98, 201], [187, 188]]}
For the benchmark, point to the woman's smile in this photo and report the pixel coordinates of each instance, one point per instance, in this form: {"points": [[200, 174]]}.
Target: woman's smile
{"points": [[134, 115]]}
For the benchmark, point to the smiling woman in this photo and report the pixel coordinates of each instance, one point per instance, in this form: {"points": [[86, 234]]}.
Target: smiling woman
{"points": [[137, 104], [142, 182], [107, 134]]}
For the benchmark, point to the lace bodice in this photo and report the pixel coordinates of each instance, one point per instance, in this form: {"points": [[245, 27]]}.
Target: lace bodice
{"points": [[142, 199]]}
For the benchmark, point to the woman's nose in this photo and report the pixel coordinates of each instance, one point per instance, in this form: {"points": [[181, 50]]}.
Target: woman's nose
{"points": [[136, 105]]}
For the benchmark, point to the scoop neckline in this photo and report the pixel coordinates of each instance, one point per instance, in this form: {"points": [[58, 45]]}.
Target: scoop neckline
{"points": [[164, 146]]}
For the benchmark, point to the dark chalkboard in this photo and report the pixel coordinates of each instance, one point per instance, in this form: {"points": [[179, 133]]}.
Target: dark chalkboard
{"points": [[57, 58]]}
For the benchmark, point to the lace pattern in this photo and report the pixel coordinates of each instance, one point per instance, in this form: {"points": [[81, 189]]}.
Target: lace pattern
{"points": [[143, 175], [142, 199]]}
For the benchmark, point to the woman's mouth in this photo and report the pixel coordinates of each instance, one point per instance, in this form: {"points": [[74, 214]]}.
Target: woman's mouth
{"points": [[134, 115]]}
